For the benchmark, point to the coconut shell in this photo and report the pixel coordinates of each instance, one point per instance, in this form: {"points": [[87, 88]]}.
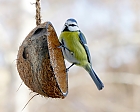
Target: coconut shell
{"points": [[40, 62]]}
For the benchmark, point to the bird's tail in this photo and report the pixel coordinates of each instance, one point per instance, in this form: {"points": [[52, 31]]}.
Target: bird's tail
{"points": [[95, 78]]}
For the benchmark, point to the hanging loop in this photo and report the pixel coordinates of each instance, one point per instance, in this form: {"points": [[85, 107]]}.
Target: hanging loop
{"points": [[38, 10]]}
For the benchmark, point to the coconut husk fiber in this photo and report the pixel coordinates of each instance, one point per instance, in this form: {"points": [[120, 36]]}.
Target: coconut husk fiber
{"points": [[40, 62]]}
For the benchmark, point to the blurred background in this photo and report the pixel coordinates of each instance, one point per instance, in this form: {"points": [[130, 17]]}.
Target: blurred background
{"points": [[112, 29]]}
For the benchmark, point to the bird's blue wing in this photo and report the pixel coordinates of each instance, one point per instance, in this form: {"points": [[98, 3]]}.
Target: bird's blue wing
{"points": [[89, 68], [84, 43]]}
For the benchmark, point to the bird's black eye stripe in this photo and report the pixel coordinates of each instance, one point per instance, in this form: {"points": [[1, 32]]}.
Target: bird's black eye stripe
{"points": [[72, 25]]}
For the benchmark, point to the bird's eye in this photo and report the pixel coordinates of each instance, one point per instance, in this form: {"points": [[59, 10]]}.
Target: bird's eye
{"points": [[72, 25]]}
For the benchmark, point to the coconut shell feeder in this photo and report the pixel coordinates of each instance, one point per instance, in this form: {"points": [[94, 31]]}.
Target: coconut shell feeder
{"points": [[40, 61]]}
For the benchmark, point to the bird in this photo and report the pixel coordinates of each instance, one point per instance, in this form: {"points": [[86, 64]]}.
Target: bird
{"points": [[75, 49]]}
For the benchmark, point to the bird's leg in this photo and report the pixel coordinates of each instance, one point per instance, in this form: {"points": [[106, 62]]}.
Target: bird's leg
{"points": [[67, 69], [62, 45]]}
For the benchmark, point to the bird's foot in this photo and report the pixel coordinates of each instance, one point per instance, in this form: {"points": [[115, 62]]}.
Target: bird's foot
{"points": [[67, 69], [60, 46], [65, 48]]}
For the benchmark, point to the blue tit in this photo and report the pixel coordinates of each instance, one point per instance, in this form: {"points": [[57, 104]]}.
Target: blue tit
{"points": [[75, 49]]}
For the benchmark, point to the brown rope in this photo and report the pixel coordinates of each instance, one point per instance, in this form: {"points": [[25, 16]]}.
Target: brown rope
{"points": [[38, 16]]}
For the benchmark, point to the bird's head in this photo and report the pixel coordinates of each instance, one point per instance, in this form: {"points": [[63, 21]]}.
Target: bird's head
{"points": [[71, 25]]}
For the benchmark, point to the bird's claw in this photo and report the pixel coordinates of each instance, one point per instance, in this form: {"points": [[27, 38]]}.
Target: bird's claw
{"points": [[60, 46], [67, 69], [65, 48]]}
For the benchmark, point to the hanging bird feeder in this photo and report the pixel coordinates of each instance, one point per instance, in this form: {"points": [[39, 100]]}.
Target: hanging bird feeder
{"points": [[40, 62]]}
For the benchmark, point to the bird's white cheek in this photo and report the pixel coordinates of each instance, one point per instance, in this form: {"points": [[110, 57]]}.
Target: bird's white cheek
{"points": [[75, 28]]}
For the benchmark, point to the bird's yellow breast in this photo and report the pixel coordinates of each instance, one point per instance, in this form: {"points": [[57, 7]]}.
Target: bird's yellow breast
{"points": [[72, 42], [71, 39]]}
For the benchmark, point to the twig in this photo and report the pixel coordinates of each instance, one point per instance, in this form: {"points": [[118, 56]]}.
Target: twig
{"points": [[29, 101], [19, 86]]}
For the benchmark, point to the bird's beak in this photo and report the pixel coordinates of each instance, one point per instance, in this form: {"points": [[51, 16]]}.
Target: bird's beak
{"points": [[66, 25]]}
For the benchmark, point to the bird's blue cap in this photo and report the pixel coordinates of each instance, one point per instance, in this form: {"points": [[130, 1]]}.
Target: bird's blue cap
{"points": [[73, 20]]}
